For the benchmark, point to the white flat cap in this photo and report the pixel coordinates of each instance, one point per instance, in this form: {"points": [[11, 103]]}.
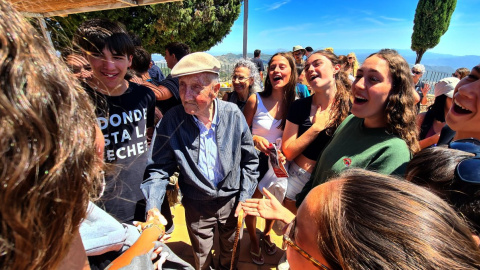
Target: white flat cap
{"points": [[196, 63]]}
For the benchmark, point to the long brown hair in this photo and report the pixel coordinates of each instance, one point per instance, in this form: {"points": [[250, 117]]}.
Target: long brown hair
{"points": [[289, 88], [400, 108], [342, 104], [373, 221], [49, 167]]}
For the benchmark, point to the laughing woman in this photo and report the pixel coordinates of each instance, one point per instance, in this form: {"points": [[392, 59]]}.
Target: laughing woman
{"points": [[245, 81], [266, 114], [464, 115], [312, 121], [381, 135]]}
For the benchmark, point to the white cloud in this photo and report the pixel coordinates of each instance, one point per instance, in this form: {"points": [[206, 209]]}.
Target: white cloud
{"points": [[392, 19], [375, 21], [277, 5]]}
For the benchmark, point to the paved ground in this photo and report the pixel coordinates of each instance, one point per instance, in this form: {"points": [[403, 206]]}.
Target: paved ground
{"points": [[180, 243]]}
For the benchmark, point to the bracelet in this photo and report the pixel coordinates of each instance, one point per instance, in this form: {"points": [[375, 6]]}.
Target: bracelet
{"points": [[151, 225]]}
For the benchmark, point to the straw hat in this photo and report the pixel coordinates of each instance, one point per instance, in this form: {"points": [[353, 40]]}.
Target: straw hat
{"points": [[299, 48]]}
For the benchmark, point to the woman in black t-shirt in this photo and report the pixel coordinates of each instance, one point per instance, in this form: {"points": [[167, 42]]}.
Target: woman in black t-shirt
{"points": [[311, 121]]}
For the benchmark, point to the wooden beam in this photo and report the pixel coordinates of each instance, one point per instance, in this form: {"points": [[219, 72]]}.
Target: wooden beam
{"points": [[129, 2], [115, 5]]}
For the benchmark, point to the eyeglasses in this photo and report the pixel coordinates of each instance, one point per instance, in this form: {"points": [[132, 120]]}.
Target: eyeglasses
{"points": [[239, 78], [416, 72], [287, 240], [468, 170]]}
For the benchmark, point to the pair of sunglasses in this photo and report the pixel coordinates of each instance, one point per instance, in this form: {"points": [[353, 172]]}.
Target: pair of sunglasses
{"points": [[416, 72], [289, 240], [468, 170]]}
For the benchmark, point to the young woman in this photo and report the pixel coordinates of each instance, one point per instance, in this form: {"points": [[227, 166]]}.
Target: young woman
{"points": [[49, 164], [245, 81], [365, 220], [464, 115], [352, 65], [431, 122], [312, 121], [380, 134], [266, 114]]}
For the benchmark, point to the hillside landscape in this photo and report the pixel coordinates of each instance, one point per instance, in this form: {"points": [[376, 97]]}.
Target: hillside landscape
{"points": [[432, 61]]}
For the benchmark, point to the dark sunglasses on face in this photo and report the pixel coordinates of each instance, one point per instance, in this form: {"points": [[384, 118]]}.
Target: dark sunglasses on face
{"points": [[455, 75], [288, 240], [468, 170], [350, 57], [416, 72]]}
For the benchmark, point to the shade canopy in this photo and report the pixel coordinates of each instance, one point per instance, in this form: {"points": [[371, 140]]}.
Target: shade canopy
{"points": [[49, 8]]}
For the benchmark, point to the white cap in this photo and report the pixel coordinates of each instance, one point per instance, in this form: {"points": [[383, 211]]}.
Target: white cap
{"points": [[446, 86]]}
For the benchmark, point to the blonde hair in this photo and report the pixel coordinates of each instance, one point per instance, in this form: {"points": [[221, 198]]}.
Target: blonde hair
{"points": [[355, 64], [49, 168]]}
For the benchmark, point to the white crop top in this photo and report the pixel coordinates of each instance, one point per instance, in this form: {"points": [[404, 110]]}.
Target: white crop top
{"points": [[264, 124]]}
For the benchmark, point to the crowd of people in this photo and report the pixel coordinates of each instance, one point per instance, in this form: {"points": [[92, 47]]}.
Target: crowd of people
{"points": [[94, 140]]}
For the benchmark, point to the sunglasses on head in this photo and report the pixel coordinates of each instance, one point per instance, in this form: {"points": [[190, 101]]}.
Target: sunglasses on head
{"points": [[468, 170], [416, 72]]}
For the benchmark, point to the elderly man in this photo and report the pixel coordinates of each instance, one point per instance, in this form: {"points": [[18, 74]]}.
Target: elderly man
{"points": [[210, 142]]}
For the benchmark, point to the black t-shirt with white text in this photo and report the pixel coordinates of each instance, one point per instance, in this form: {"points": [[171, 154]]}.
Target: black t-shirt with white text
{"points": [[124, 121]]}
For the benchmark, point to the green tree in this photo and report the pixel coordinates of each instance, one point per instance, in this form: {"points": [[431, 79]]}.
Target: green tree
{"points": [[199, 23], [432, 18]]}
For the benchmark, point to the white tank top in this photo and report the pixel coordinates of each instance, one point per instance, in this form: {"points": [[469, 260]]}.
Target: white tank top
{"points": [[264, 124]]}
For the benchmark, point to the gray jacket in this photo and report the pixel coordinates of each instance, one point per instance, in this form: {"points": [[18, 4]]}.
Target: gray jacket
{"points": [[177, 144]]}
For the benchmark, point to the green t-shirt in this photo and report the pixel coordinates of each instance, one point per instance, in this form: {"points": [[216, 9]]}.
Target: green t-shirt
{"points": [[355, 146]]}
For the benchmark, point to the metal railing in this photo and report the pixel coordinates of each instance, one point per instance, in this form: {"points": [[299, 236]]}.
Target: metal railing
{"points": [[430, 77]]}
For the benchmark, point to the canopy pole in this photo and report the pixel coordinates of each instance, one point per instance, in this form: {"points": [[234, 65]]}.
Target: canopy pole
{"points": [[245, 27]]}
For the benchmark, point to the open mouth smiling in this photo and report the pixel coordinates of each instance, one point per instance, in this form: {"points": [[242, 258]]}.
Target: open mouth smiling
{"points": [[458, 108], [360, 100], [313, 77], [109, 75], [277, 78]]}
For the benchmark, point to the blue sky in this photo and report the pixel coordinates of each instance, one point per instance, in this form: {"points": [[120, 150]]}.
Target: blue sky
{"points": [[278, 25]]}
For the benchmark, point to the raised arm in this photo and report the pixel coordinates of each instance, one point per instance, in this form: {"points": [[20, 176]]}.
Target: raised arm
{"points": [[292, 146]]}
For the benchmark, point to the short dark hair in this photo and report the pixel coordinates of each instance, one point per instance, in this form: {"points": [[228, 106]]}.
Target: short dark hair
{"points": [[256, 53], [178, 48], [308, 49], [97, 34], [137, 41], [141, 61]]}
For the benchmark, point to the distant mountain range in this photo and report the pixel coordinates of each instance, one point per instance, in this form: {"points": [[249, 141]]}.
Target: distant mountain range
{"points": [[432, 61]]}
